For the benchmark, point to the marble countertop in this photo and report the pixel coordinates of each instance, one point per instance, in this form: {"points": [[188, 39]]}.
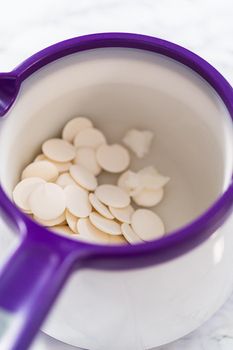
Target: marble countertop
{"points": [[203, 26]]}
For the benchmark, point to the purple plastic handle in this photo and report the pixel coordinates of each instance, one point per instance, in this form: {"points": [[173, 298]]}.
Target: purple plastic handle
{"points": [[30, 282], [9, 88]]}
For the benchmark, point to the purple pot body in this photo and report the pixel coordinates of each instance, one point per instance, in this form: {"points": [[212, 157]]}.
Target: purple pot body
{"points": [[52, 257]]}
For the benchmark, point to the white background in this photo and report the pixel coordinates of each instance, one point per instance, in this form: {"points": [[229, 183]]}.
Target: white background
{"points": [[203, 26]]}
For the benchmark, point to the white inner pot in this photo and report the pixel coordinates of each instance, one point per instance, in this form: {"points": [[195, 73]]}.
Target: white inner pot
{"points": [[120, 89]]}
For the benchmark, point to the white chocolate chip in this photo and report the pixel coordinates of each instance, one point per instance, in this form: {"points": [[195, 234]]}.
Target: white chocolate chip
{"points": [[48, 223], [100, 207], [148, 198], [40, 157], [123, 214], [150, 178], [74, 126], [43, 169], [61, 166], [65, 179], [148, 170], [23, 190], [77, 201], [138, 141], [58, 150], [83, 177], [113, 158], [119, 239], [130, 182], [63, 230], [91, 233], [47, 201], [113, 196], [129, 234], [86, 156], [105, 225], [89, 138], [147, 225], [71, 221], [139, 185], [153, 182]]}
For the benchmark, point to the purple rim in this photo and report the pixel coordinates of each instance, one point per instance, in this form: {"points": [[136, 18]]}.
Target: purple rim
{"points": [[177, 242]]}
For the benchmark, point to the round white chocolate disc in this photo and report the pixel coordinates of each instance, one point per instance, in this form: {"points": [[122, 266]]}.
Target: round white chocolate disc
{"points": [[122, 181], [74, 126], [86, 156], [123, 214], [83, 177], [100, 207], [119, 239], [89, 138], [65, 179], [147, 225], [42, 168], [58, 150], [23, 190], [91, 233], [48, 223], [71, 221], [77, 201], [113, 158], [113, 196], [61, 166], [63, 230], [148, 198], [105, 225], [47, 201], [129, 234], [40, 157]]}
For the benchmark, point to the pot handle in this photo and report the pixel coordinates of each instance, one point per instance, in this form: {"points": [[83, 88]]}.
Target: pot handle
{"points": [[9, 88], [29, 284]]}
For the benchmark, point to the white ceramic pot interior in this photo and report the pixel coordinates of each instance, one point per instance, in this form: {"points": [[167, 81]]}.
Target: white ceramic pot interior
{"points": [[120, 89]]}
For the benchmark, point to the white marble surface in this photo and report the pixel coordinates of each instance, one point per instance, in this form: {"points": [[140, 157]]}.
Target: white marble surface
{"points": [[204, 26]]}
